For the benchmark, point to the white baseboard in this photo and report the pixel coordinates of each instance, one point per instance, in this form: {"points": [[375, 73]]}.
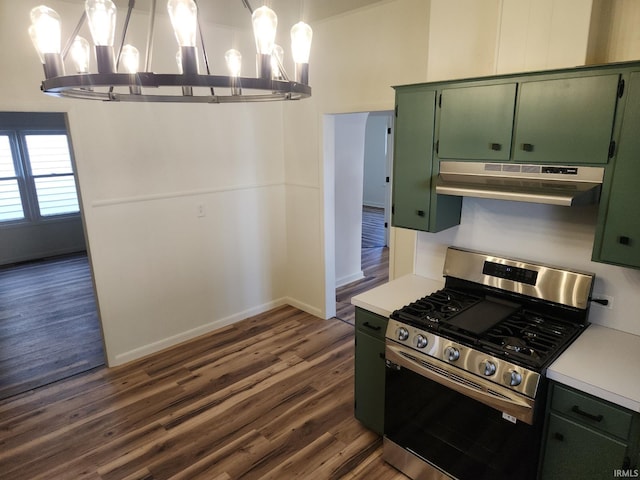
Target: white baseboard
{"points": [[373, 205], [168, 342], [316, 312], [155, 347], [340, 282]]}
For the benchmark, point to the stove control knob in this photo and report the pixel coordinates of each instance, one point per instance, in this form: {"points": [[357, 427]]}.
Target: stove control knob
{"points": [[402, 334], [513, 378], [452, 353], [421, 341], [488, 367]]}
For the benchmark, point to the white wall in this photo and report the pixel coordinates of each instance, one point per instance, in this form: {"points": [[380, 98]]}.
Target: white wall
{"points": [[357, 57], [163, 274], [375, 160], [399, 42], [349, 166], [462, 38], [556, 235], [615, 33], [542, 34]]}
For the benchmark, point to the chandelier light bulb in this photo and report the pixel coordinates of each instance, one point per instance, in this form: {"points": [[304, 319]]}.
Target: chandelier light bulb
{"points": [[101, 15], [45, 31], [184, 19], [234, 62], [130, 59], [81, 54], [301, 36], [265, 22]]}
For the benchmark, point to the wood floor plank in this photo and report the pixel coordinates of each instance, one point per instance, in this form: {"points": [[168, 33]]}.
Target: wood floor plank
{"points": [[375, 266], [373, 231], [270, 397], [49, 327]]}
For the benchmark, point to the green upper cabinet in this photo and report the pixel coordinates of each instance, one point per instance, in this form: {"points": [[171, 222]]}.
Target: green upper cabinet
{"points": [[476, 122], [618, 235], [415, 203], [566, 120]]}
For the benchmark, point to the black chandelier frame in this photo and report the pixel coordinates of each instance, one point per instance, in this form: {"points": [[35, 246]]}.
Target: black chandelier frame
{"points": [[84, 85]]}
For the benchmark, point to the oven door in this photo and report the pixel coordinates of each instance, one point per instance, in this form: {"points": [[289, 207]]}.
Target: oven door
{"points": [[440, 420]]}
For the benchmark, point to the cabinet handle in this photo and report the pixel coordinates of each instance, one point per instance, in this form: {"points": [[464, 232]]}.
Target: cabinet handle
{"points": [[624, 240], [496, 147], [527, 147], [558, 436], [381, 355], [377, 328], [590, 416], [420, 213]]}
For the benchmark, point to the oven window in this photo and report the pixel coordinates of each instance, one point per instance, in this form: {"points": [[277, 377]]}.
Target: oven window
{"points": [[460, 436]]}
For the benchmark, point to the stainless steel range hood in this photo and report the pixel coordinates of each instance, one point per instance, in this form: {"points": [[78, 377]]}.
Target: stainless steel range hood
{"points": [[549, 184]]}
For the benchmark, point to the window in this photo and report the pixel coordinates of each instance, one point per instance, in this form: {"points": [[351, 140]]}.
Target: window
{"points": [[10, 203], [36, 173]]}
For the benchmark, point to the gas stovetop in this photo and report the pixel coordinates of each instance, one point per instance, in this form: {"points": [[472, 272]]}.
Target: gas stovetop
{"points": [[496, 326], [502, 319]]}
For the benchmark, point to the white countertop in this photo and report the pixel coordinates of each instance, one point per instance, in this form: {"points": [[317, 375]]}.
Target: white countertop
{"points": [[602, 362], [396, 294]]}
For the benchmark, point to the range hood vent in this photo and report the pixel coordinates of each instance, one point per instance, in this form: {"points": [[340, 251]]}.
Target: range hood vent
{"points": [[548, 184]]}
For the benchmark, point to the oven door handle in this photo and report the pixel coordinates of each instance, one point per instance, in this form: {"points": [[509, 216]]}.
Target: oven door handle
{"points": [[486, 392]]}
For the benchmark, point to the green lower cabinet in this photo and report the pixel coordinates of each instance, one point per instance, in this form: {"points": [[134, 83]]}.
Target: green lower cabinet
{"points": [[588, 438], [370, 370], [576, 452]]}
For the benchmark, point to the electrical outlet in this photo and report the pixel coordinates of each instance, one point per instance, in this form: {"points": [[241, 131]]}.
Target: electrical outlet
{"points": [[600, 296], [200, 211]]}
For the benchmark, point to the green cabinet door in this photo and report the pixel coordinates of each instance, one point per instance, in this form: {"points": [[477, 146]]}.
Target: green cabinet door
{"points": [[413, 156], [415, 204], [618, 238], [566, 121], [476, 123], [369, 381], [573, 451]]}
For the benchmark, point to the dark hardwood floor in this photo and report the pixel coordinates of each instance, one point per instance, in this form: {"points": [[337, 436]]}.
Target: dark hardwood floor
{"points": [[270, 397], [375, 266], [49, 326], [373, 234], [375, 263]]}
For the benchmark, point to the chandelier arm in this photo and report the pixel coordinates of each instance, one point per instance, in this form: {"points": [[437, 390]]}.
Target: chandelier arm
{"points": [[204, 49], [67, 47], [150, 34], [282, 70], [127, 19], [247, 5]]}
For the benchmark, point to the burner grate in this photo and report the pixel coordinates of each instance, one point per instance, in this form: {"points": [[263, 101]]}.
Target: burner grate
{"points": [[429, 312], [528, 337]]}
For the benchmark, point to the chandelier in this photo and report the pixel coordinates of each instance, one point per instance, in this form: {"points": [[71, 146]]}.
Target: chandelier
{"points": [[119, 77]]}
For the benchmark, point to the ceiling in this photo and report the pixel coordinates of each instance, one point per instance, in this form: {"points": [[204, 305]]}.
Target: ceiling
{"points": [[233, 13]]}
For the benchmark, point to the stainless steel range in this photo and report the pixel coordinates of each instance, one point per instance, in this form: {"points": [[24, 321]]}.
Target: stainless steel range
{"points": [[466, 386]]}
